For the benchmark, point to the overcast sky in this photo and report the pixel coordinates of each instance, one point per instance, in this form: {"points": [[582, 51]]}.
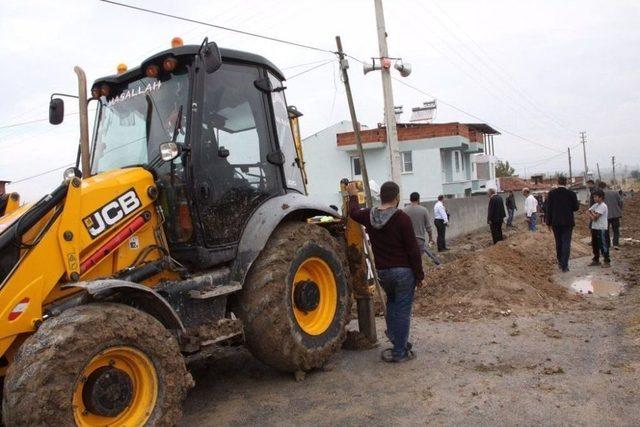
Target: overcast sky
{"points": [[542, 71]]}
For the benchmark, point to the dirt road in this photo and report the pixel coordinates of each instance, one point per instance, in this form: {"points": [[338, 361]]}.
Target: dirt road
{"points": [[563, 364]]}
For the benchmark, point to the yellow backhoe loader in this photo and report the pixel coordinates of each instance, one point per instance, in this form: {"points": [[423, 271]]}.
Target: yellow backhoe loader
{"points": [[183, 227]]}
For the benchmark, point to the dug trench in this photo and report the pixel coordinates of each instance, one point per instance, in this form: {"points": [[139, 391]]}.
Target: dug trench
{"points": [[501, 338]]}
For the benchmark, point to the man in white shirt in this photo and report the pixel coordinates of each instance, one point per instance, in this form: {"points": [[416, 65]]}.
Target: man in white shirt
{"points": [[530, 208], [441, 220], [599, 227]]}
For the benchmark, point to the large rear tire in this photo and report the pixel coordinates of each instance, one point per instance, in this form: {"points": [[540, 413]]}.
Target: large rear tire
{"points": [[97, 364], [296, 300]]}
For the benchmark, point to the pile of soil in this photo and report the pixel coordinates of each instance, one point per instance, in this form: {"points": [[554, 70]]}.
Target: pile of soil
{"points": [[513, 276]]}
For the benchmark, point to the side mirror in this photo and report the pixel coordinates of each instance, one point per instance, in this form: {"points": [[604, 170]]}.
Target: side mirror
{"points": [[211, 58], [56, 111], [169, 151]]}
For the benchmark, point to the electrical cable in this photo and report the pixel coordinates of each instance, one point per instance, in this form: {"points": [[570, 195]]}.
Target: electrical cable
{"points": [[311, 69], [220, 27], [501, 129], [42, 173]]}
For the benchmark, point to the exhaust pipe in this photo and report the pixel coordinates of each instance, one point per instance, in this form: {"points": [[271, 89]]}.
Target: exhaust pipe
{"points": [[84, 121]]}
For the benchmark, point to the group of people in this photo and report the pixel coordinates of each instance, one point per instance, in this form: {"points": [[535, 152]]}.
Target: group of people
{"points": [[398, 239]]}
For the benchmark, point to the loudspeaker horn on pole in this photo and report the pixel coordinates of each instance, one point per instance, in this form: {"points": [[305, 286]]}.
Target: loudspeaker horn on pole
{"points": [[366, 67], [404, 69]]}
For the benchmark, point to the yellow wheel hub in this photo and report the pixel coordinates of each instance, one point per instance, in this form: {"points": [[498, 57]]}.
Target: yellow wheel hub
{"points": [[314, 296], [118, 387]]}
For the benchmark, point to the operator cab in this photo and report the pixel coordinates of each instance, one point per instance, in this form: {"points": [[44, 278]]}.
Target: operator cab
{"points": [[229, 127]]}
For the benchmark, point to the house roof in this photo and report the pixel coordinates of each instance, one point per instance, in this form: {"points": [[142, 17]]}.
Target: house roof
{"points": [[413, 131], [483, 128], [4, 181]]}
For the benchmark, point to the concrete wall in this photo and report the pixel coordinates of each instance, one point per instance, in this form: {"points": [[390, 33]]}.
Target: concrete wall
{"points": [[469, 214]]}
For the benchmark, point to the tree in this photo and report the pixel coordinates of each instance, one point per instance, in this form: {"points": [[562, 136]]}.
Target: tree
{"points": [[635, 174], [504, 169]]}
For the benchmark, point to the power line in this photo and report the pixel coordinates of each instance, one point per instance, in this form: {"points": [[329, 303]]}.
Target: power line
{"points": [[501, 129], [486, 83], [311, 69], [500, 74], [220, 27], [42, 173], [13, 125], [304, 65]]}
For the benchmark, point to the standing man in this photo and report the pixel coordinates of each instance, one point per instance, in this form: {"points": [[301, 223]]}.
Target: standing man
{"points": [[441, 220], [511, 208], [561, 204], [495, 215], [530, 208], [599, 226], [398, 261], [614, 208], [421, 223]]}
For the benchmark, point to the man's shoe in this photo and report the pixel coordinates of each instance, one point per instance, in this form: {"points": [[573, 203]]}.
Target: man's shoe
{"points": [[565, 270], [408, 355], [617, 248], [607, 264], [594, 263], [387, 357]]}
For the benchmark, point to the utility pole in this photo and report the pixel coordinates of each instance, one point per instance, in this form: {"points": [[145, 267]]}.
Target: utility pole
{"points": [[390, 117], [583, 139], [613, 166], [598, 167], [344, 65], [364, 299], [570, 171]]}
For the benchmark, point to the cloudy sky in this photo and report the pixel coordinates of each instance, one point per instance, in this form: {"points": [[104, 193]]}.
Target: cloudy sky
{"points": [[541, 71]]}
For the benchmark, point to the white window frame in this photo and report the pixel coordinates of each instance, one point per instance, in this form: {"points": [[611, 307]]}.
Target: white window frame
{"points": [[353, 167], [403, 163]]}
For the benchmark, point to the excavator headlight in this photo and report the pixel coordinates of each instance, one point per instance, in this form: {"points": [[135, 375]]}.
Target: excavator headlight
{"points": [[169, 64], [169, 151], [105, 90], [152, 71]]}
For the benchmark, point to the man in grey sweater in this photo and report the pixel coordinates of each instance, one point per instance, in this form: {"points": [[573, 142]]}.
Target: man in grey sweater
{"points": [[421, 224], [614, 204]]}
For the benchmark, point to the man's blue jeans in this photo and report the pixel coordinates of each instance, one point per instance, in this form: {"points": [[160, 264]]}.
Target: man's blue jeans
{"points": [[532, 222], [510, 217], [399, 285]]}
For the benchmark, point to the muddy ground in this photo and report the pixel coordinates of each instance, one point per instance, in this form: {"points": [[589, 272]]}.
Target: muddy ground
{"points": [[544, 355]]}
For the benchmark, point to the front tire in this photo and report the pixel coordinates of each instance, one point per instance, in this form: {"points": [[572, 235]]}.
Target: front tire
{"points": [[97, 364], [296, 300]]}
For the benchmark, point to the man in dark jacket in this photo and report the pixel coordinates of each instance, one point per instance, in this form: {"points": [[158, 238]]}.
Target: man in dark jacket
{"points": [[561, 204], [511, 208], [398, 261], [495, 215]]}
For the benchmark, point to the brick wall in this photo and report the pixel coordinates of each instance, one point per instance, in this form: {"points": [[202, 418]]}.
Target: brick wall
{"points": [[410, 133]]}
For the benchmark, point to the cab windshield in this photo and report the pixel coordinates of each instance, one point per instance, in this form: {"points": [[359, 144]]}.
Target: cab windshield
{"points": [[136, 118]]}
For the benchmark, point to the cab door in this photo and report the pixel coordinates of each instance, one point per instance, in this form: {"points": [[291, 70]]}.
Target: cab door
{"points": [[232, 172]]}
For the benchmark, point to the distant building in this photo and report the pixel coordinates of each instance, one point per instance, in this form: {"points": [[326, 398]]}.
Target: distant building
{"points": [[437, 158]]}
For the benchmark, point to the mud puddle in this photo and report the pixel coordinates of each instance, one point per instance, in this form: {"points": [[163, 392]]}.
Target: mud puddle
{"points": [[596, 286]]}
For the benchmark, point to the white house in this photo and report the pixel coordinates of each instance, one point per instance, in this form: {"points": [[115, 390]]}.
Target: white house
{"points": [[437, 158]]}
